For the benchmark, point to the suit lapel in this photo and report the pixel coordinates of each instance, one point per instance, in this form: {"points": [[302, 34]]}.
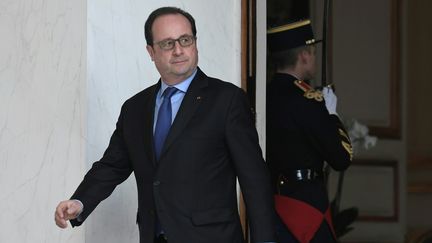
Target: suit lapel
{"points": [[189, 105], [147, 118]]}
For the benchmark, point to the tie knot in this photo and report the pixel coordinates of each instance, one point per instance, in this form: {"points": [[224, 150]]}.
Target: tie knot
{"points": [[169, 92]]}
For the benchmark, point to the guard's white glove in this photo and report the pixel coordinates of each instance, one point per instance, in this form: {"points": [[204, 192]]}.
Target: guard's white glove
{"points": [[330, 100]]}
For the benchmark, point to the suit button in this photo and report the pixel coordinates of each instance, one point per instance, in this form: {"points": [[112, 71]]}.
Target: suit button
{"points": [[151, 212], [156, 183]]}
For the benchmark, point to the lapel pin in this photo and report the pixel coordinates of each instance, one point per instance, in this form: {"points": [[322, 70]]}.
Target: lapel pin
{"points": [[198, 97]]}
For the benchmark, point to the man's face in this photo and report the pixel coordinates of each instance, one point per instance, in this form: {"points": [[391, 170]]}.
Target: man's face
{"points": [[311, 69], [177, 64]]}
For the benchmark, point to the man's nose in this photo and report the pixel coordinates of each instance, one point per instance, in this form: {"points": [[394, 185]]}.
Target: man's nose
{"points": [[178, 49]]}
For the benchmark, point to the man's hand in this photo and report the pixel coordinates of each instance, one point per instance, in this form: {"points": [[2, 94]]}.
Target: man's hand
{"points": [[67, 210], [330, 100]]}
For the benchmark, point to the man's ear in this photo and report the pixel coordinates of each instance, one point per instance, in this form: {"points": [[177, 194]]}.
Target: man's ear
{"points": [[150, 51], [303, 56]]}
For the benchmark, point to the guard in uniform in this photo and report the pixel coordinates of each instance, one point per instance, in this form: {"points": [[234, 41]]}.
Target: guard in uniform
{"points": [[303, 132]]}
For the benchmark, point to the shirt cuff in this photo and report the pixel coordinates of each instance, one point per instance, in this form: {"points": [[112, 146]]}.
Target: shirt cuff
{"points": [[79, 218]]}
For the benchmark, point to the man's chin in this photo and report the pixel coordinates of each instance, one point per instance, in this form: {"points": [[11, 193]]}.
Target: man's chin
{"points": [[182, 72]]}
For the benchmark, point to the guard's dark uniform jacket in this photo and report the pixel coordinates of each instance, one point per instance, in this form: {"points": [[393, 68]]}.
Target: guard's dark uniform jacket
{"points": [[301, 135]]}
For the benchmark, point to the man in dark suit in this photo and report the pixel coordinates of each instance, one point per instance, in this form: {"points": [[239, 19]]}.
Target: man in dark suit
{"points": [[303, 132], [185, 169]]}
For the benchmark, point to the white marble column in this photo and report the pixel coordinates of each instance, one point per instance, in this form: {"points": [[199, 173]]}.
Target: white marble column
{"points": [[42, 115]]}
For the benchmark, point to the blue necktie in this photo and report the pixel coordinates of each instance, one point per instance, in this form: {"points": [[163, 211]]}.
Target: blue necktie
{"points": [[163, 122], [163, 125]]}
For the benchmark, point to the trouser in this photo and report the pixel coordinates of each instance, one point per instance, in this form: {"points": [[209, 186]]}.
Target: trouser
{"points": [[303, 221], [283, 235]]}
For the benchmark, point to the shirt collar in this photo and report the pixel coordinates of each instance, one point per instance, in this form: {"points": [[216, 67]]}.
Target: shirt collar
{"points": [[182, 86]]}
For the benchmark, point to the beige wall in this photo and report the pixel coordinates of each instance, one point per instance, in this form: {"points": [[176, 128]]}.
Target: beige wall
{"points": [[413, 151], [361, 57]]}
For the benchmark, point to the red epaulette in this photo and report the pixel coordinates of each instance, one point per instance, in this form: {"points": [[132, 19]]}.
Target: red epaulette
{"points": [[309, 92]]}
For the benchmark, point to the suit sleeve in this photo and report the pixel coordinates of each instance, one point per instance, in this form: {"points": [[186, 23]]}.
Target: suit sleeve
{"points": [[252, 172], [326, 133], [100, 181]]}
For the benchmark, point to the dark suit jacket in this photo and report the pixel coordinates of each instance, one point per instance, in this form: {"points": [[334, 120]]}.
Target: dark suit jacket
{"points": [[192, 188]]}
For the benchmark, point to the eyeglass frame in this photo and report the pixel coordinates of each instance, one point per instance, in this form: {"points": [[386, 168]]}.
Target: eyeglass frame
{"points": [[192, 37]]}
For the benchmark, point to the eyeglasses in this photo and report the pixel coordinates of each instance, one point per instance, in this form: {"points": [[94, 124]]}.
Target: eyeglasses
{"points": [[169, 44]]}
